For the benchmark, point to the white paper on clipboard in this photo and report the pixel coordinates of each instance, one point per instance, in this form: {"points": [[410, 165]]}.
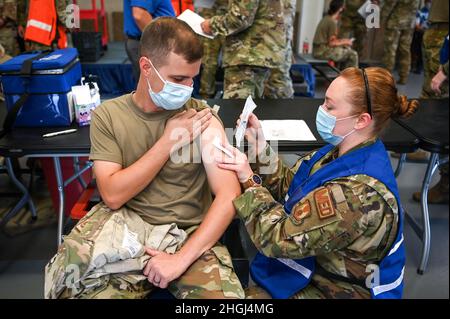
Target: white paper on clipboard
{"points": [[287, 130], [194, 21], [208, 4]]}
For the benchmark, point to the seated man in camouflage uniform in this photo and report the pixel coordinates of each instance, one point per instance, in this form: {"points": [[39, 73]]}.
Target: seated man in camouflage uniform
{"points": [[158, 225], [327, 45]]}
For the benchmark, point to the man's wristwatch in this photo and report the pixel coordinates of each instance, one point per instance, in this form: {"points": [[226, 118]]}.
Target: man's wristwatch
{"points": [[253, 181]]}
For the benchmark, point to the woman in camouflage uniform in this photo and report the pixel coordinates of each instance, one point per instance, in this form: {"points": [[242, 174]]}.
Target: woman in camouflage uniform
{"points": [[331, 226]]}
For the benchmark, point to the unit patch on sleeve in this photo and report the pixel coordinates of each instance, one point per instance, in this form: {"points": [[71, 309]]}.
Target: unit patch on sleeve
{"points": [[324, 204], [302, 211]]}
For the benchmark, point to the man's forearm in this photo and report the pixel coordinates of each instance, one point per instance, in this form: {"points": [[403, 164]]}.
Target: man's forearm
{"points": [[240, 16], [338, 42], [215, 223], [123, 185], [142, 18], [142, 23]]}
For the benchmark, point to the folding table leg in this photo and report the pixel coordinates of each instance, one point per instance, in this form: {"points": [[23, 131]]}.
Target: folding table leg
{"points": [[60, 184], [401, 161], [76, 168], [26, 198], [426, 240]]}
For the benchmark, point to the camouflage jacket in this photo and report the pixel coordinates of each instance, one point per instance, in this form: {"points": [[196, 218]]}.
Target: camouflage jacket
{"points": [[399, 14], [289, 17], [353, 5], [219, 8], [351, 8], [255, 33], [360, 231], [8, 11]]}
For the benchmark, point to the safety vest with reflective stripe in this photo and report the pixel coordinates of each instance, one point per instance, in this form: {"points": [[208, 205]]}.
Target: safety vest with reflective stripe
{"points": [[180, 5], [282, 278], [42, 24]]}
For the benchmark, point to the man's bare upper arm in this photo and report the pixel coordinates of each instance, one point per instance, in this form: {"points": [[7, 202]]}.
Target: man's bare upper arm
{"points": [[218, 178], [103, 170]]}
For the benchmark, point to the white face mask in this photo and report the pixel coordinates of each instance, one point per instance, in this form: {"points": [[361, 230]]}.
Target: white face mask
{"points": [[172, 97], [326, 123]]}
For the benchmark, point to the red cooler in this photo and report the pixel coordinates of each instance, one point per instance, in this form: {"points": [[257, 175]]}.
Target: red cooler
{"points": [[73, 191]]}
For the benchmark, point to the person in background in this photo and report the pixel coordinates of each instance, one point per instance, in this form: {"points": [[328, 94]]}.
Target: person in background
{"points": [[353, 25], [398, 17], [8, 27], [137, 14], [417, 42], [327, 45], [255, 44], [279, 84], [37, 19], [442, 76], [433, 40], [439, 194], [211, 48]]}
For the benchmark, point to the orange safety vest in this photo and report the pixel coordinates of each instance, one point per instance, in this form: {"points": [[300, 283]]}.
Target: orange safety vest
{"points": [[180, 5], [42, 24]]}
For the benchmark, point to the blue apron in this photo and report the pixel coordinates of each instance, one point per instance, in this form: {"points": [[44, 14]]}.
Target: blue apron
{"points": [[443, 54], [282, 278]]}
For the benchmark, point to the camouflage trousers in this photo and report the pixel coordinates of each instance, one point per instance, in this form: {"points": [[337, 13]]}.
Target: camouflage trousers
{"points": [[34, 46], [279, 84], [8, 39], [432, 43], [244, 80], [319, 288], [104, 257], [346, 56], [354, 26], [210, 61], [397, 46]]}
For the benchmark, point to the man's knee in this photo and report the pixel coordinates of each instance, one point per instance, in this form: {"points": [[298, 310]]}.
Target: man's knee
{"points": [[211, 277]]}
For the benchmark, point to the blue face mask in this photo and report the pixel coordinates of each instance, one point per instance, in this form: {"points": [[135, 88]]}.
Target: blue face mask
{"points": [[172, 96], [326, 122]]}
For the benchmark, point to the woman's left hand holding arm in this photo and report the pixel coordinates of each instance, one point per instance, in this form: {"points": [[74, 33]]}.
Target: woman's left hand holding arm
{"points": [[238, 163]]}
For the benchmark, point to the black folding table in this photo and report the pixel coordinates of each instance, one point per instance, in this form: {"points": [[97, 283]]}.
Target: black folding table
{"points": [[28, 142]]}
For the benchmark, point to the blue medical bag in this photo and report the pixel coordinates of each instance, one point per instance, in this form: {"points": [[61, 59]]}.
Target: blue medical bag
{"points": [[41, 82]]}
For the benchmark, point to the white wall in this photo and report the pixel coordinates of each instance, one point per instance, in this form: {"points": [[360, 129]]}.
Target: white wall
{"points": [[110, 6], [311, 12]]}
